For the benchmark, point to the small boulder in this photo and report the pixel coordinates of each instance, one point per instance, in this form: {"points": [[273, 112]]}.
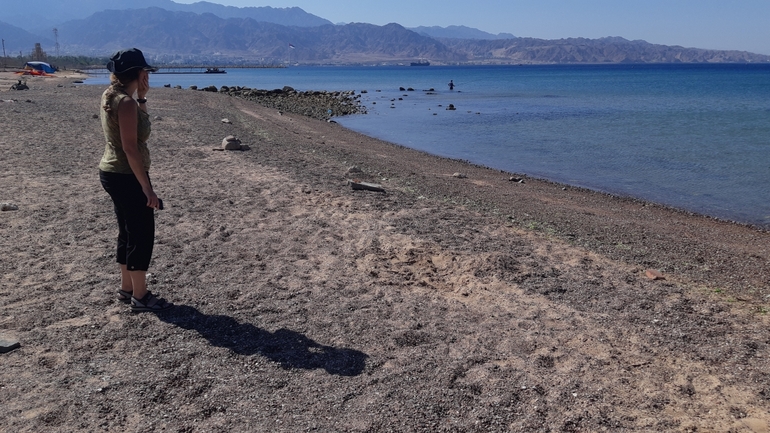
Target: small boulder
{"points": [[460, 175], [231, 143], [7, 345], [8, 206], [227, 121]]}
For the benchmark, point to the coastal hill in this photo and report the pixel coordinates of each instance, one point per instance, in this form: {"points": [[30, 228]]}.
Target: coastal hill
{"points": [[582, 50], [43, 15], [160, 32], [16, 39], [205, 32], [189, 37], [459, 32]]}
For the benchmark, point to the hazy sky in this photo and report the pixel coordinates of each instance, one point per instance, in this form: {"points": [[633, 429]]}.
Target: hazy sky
{"points": [[714, 24]]}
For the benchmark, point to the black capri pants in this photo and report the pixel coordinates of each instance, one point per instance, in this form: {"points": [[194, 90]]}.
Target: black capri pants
{"points": [[136, 221]]}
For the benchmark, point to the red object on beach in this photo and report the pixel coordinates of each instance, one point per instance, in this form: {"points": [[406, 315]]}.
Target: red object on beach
{"points": [[654, 275]]}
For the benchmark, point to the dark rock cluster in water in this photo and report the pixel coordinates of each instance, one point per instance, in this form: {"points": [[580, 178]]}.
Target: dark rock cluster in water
{"points": [[317, 104]]}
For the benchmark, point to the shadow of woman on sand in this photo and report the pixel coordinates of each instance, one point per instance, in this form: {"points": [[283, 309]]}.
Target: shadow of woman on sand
{"points": [[288, 348]]}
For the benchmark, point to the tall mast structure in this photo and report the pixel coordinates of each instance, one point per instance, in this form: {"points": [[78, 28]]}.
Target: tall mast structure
{"points": [[56, 38]]}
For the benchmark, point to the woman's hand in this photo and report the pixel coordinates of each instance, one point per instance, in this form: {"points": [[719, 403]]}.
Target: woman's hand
{"points": [[144, 85], [152, 199]]}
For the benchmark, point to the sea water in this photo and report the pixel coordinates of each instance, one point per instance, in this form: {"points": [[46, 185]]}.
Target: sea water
{"points": [[692, 136]]}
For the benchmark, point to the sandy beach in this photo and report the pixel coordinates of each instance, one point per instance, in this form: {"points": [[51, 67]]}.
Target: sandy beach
{"points": [[447, 303]]}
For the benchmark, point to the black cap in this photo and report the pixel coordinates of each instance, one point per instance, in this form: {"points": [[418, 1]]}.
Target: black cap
{"points": [[126, 60]]}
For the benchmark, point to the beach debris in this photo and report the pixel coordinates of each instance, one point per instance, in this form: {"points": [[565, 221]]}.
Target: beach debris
{"points": [[8, 206], [232, 143], [227, 121], [20, 86], [358, 185], [7, 345], [460, 175], [654, 274]]}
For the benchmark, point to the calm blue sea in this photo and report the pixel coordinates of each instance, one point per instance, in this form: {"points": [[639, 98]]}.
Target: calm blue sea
{"points": [[696, 137]]}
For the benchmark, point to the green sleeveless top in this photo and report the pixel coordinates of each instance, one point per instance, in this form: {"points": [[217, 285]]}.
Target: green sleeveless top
{"points": [[114, 159]]}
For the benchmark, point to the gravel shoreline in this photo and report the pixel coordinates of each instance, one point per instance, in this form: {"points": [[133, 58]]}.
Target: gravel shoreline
{"points": [[447, 303]]}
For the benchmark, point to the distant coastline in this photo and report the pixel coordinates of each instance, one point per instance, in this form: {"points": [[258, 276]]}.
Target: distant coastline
{"points": [[269, 43]]}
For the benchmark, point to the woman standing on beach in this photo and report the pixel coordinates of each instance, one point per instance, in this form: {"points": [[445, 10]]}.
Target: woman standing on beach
{"points": [[124, 173]]}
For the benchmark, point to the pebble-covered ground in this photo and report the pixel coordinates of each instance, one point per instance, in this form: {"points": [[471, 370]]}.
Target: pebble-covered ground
{"points": [[455, 301]]}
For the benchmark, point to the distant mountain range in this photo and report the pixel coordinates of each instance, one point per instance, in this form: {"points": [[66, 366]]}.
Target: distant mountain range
{"points": [[168, 34], [17, 40], [205, 32], [459, 32], [41, 16], [581, 50]]}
